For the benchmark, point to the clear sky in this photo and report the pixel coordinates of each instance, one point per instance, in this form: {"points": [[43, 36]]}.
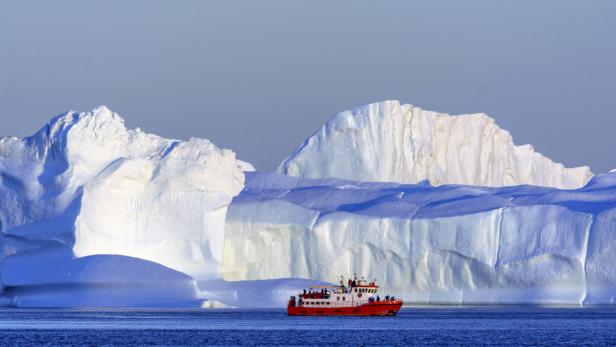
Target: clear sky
{"points": [[260, 76]]}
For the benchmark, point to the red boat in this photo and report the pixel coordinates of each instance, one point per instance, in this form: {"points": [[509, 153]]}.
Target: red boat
{"points": [[358, 298]]}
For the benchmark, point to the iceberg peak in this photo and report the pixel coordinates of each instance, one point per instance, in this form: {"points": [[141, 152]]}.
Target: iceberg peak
{"points": [[392, 142], [100, 122], [102, 111], [88, 185]]}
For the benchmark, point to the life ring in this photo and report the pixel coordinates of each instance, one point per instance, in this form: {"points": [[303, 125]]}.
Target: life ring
{"points": [[359, 295]]}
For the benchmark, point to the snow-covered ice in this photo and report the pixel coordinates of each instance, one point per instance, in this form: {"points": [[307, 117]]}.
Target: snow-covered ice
{"points": [[95, 281], [445, 244], [95, 214], [85, 185], [390, 142]]}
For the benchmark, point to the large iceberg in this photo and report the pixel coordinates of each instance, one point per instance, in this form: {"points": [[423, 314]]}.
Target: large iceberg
{"points": [[389, 142], [85, 185], [446, 244], [95, 214]]}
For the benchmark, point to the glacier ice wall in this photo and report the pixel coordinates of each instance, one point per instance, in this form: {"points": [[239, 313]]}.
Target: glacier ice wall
{"points": [[446, 244], [85, 185], [389, 142]]}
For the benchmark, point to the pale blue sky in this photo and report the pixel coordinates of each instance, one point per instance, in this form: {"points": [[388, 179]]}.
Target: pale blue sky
{"points": [[260, 76]]}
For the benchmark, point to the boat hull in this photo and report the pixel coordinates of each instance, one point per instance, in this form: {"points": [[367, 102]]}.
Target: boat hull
{"points": [[381, 308]]}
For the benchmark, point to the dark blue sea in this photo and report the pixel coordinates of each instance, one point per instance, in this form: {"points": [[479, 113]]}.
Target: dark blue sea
{"points": [[514, 326]]}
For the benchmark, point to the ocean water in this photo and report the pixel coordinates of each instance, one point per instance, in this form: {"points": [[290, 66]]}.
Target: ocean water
{"points": [[440, 326]]}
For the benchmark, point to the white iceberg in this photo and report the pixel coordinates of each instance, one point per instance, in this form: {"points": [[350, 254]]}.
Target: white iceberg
{"points": [[389, 142], [84, 185], [446, 244], [94, 214]]}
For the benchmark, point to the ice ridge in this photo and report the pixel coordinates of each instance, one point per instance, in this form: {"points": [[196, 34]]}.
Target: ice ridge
{"points": [[390, 142]]}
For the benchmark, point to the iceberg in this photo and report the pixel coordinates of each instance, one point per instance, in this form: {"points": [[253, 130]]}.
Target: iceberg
{"points": [[446, 244], [86, 186], [437, 208], [390, 142]]}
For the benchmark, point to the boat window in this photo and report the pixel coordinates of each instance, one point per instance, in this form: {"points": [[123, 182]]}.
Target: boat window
{"points": [[343, 298], [355, 290], [338, 298]]}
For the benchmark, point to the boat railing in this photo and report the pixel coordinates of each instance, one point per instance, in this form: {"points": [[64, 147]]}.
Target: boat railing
{"points": [[354, 303]]}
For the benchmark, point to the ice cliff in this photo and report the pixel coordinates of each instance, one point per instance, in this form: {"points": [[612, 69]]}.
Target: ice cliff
{"points": [[85, 185], [446, 244], [389, 142]]}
